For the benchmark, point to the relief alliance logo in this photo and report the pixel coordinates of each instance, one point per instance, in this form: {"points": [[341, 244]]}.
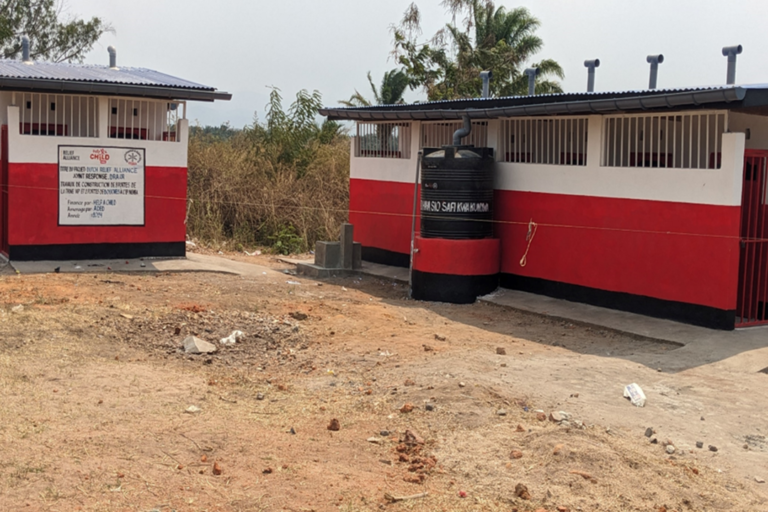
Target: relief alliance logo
{"points": [[133, 157], [101, 155]]}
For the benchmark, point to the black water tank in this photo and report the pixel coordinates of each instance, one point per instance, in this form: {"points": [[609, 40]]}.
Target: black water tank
{"points": [[457, 192]]}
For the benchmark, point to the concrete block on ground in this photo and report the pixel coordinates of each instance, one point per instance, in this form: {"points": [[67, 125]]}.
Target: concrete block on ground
{"points": [[328, 254], [357, 255], [347, 250]]}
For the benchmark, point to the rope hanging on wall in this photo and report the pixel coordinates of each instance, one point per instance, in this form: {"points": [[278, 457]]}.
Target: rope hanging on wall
{"points": [[532, 228]]}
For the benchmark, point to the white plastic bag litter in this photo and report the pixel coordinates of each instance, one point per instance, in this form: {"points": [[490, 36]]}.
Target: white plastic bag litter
{"points": [[232, 338], [635, 394]]}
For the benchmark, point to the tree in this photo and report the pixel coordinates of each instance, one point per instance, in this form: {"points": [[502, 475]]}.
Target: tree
{"points": [[52, 37], [391, 91], [448, 65]]}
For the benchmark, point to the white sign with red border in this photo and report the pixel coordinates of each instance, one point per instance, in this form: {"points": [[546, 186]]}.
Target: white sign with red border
{"points": [[101, 186]]}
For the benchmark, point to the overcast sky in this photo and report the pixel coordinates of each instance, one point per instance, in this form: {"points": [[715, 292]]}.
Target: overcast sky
{"points": [[245, 46]]}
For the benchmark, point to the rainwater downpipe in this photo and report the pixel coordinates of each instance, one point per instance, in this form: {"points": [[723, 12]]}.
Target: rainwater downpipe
{"points": [[731, 52], [486, 76], [463, 131], [591, 65], [654, 61], [532, 73]]}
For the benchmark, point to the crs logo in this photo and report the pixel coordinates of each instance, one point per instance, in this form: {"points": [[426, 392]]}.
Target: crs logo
{"points": [[101, 155], [133, 157]]}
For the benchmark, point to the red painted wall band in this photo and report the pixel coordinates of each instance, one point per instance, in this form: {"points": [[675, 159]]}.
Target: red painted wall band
{"points": [[673, 251], [457, 257], [382, 212], [33, 209]]}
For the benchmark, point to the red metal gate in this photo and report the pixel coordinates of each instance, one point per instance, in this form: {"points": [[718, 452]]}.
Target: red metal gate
{"points": [[753, 265], [4, 189]]}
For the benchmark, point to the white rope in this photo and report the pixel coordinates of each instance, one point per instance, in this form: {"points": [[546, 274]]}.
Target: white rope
{"points": [[532, 228]]}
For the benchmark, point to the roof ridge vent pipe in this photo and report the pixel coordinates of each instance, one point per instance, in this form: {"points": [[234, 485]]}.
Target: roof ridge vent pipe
{"points": [[532, 73], [654, 61], [112, 57], [486, 76], [731, 52], [25, 57], [463, 131], [591, 65]]}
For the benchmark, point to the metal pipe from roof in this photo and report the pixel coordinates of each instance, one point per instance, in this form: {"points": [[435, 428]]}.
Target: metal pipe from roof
{"points": [[486, 76], [731, 52], [654, 61], [463, 131], [112, 57], [25, 54], [597, 106], [532, 74], [591, 65]]}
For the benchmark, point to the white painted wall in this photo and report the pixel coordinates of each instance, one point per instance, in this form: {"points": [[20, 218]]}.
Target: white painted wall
{"points": [[699, 186], [44, 149], [757, 125]]}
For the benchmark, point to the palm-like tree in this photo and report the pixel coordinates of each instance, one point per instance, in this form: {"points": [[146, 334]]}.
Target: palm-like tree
{"points": [[391, 91], [491, 38]]}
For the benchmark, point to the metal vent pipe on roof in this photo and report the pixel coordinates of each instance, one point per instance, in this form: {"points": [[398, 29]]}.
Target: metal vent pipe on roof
{"points": [[731, 52], [463, 131], [112, 57], [486, 76], [532, 73], [591, 65], [654, 61], [25, 50]]}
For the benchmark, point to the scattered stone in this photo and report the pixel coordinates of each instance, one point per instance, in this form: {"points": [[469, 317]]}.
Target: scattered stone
{"points": [[292, 431], [334, 425], [429, 407], [574, 395], [406, 408], [385, 433], [462, 494], [516, 454], [521, 491], [194, 345], [712, 448], [654, 441], [503, 365], [759, 480], [216, 469], [746, 446], [541, 416], [428, 348], [558, 448], [559, 416], [259, 396], [648, 432], [409, 382], [126, 316], [702, 418], [439, 337], [520, 429], [296, 315], [501, 351], [462, 385], [412, 438], [374, 440], [267, 471], [203, 458], [579, 424], [563, 509], [501, 412], [17, 309], [177, 331], [699, 444], [670, 449], [192, 409]]}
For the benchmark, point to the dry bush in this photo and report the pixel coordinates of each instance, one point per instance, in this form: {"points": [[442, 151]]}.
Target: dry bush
{"points": [[283, 184]]}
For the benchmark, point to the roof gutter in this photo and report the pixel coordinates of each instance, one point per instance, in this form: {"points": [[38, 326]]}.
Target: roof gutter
{"points": [[111, 89], [602, 106]]}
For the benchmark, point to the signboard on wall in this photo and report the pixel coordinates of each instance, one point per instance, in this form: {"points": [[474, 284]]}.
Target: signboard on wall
{"points": [[101, 186]]}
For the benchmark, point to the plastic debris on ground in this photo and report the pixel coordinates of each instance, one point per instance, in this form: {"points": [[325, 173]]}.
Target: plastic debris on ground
{"points": [[635, 394]]}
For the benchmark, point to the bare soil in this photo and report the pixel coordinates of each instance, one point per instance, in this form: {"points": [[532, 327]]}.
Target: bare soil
{"points": [[95, 389]]}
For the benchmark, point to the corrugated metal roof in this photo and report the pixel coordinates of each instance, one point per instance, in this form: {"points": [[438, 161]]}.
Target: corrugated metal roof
{"points": [[93, 73], [561, 104], [140, 80]]}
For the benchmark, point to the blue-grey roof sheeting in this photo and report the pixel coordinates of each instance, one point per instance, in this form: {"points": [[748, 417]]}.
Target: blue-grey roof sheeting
{"points": [[560, 104], [48, 76]]}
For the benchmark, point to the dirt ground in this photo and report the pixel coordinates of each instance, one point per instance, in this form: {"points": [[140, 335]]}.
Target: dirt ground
{"points": [[428, 398]]}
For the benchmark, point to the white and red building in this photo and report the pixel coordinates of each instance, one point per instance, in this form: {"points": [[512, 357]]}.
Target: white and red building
{"points": [[94, 160], [649, 201]]}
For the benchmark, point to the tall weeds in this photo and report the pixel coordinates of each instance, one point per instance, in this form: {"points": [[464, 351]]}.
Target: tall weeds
{"points": [[283, 183]]}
